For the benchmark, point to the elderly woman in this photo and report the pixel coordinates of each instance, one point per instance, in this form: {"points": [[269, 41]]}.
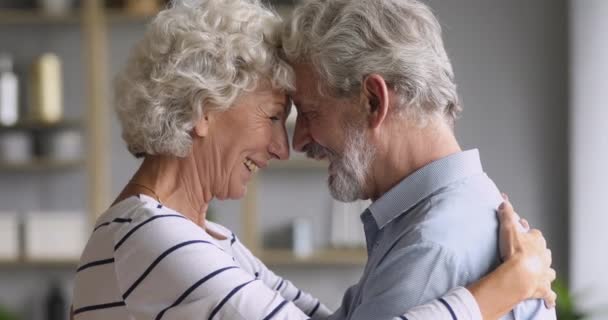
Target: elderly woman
{"points": [[203, 101]]}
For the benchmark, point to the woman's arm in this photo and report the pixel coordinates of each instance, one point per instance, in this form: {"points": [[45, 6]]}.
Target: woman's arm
{"points": [[526, 272]]}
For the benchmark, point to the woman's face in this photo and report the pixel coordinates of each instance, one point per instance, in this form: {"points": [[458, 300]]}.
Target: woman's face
{"points": [[244, 139]]}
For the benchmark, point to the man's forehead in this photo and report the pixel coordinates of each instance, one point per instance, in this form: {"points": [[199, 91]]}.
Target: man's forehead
{"points": [[301, 100]]}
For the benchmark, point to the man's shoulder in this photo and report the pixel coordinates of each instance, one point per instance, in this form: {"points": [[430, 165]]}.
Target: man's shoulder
{"points": [[465, 207], [460, 219]]}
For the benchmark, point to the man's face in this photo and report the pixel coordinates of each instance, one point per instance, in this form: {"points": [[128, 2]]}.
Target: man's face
{"points": [[333, 129]]}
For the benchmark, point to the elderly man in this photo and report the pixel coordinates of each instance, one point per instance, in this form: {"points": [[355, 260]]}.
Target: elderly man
{"points": [[376, 97]]}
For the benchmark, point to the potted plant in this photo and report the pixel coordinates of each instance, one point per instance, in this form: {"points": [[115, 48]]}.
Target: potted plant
{"points": [[566, 305]]}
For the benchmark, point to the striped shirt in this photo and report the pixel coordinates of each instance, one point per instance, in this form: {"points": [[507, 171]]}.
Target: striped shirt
{"points": [[146, 261]]}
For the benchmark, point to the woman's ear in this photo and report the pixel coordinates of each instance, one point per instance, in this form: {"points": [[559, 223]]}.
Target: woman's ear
{"points": [[375, 92], [201, 128]]}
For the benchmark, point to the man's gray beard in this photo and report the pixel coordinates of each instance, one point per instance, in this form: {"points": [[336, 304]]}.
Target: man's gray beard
{"points": [[351, 170]]}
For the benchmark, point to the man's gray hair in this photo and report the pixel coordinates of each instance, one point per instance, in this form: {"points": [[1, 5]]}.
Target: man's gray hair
{"points": [[197, 55], [400, 40]]}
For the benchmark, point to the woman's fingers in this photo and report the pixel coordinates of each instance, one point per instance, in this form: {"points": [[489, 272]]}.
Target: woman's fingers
{"points": [[507, 214], [529, 246], [551, 300]]}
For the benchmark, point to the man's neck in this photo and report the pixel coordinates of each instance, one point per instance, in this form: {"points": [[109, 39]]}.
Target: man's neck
{"points": [[403, 156]]}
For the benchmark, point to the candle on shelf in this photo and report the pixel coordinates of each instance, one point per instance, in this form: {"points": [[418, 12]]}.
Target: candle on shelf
{"points": [[46, 89]]}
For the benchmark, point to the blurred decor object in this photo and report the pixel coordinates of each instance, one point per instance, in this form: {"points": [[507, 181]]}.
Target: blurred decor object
{"points": [[60, 145], [54, 236], [56, 7], [56, 306], [566, 305], [346, 228], [47, 89], [303, 245], [296, 236], [143, 7], [9, 237], [9, 92], [15, 147]]}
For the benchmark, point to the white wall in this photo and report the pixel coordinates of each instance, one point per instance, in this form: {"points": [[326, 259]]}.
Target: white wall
{"points": [[589, 155], [510, 61]]}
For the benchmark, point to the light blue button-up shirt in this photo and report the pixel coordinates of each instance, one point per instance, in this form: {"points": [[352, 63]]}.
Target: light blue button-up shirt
{"points": [[435, 230]]}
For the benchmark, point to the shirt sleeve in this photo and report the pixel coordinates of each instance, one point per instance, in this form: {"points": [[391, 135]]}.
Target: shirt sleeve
{"points": [[457, 304], [310, 305], [533, 309], [411, 276], [167, 269]]}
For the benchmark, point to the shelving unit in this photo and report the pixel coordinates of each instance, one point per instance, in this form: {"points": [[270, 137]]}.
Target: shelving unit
{"points": [[42, 165], [88, 20], [279, 257], [35, 17]]}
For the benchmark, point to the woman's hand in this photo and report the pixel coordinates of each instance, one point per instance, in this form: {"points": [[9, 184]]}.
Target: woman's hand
{"points": [[527, 250]]}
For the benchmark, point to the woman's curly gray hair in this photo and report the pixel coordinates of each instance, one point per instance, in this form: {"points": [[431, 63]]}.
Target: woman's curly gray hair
{"points": [[347, 40], [196, 55]]}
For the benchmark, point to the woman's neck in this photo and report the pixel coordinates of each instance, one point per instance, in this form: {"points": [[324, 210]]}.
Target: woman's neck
{"points": [[174, 182]]}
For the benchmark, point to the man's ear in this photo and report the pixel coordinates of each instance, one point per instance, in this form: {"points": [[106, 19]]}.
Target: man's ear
{"points": [[376, 99], [201, 128]]}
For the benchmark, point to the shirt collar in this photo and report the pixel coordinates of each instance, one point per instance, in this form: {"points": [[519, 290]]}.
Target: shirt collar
{"points": [[422, 183]]}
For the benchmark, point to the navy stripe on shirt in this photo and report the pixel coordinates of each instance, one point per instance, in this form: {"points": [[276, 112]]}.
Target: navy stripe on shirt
{"points": [[281, 284], [445, 303], [276, 310], [402, 318], [297, 295], [314, 309], [99, 307], [117, 220], [235, 290], [95, 263], [120, 243], [157, 261], [192, 288]]}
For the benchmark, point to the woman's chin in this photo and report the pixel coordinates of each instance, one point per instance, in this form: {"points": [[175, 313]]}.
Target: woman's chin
{"points": [[236, 193]]}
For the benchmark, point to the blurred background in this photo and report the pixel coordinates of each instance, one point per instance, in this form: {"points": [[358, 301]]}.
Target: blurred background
{"points": [[531, 74]]}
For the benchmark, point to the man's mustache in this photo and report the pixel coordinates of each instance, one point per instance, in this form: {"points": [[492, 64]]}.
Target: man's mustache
{"points": [[317, 151]]}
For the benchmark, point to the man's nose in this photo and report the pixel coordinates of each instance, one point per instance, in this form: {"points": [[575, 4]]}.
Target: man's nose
{"points": [[301, 134]]}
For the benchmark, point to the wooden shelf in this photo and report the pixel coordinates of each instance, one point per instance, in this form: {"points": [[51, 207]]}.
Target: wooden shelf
{"points": [[40, 126], [41, 165], [42, 264], [35, 16], [327, 257]]}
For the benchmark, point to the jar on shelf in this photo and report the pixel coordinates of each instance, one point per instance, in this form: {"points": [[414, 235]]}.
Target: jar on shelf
{"points": [[15, 146], [63, 144], [9, 92], [46, 89]]}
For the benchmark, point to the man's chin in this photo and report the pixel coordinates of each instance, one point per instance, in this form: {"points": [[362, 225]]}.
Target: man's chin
{"points": [[338, 193]]}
